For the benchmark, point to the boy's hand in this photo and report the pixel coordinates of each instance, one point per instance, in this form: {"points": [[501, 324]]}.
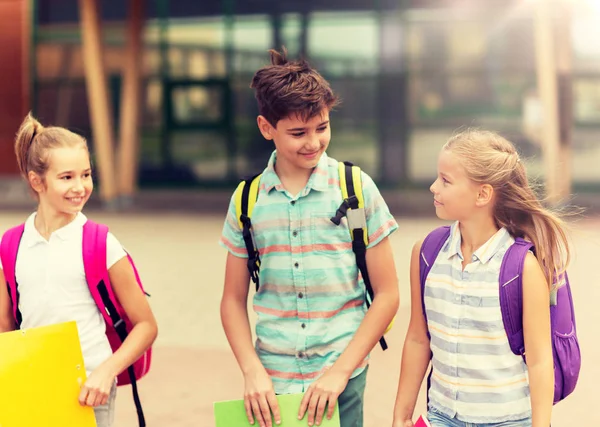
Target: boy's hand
{"points": [[323, 392], [259, 398]]}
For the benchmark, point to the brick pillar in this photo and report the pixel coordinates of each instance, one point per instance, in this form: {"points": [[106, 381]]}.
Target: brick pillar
{"points": [[15, 33]]}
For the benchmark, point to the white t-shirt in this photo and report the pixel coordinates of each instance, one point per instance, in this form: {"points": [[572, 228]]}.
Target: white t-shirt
{"points": [[53, 288]]}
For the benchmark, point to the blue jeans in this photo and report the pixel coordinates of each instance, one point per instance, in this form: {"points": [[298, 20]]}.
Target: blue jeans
{"points": [[351, 401], [437, 419]]}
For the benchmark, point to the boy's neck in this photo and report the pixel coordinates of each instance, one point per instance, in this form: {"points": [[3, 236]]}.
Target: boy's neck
{"points": [[292, 179], [48, 220]]}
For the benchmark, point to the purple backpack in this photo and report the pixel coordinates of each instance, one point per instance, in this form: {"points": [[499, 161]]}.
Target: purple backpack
{"points": [[565, 347]]}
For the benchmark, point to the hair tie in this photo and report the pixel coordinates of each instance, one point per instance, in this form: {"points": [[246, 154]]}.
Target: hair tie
{"points": [[33, 135]]}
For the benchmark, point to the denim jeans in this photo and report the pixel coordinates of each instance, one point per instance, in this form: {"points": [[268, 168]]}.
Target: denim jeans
{"points": [[437, 419]]}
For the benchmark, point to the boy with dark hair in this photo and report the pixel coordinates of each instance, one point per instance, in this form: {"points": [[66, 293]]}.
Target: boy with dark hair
{"points": [[314, 333]]}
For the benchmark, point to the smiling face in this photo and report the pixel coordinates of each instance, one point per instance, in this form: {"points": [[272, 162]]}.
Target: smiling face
{"points": [[299, 144], [67, 184]]}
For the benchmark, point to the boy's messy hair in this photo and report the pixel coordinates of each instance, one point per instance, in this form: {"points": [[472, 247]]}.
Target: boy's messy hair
{"points": [[287, 88]]}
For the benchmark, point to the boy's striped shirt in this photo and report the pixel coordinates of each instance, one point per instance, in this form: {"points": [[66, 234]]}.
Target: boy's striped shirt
{"points": [[311, 299]]}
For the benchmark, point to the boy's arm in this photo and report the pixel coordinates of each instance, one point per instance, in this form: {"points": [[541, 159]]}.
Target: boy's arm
{"points": [[416, 352], [538, 344], [234, 313], [259, 395]]}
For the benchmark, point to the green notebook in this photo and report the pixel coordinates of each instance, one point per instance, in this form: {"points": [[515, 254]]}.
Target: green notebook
{"points": [[231, 413]]}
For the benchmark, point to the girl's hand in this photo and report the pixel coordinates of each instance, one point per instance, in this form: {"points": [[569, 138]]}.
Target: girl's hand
{"points": [[96, 390]]}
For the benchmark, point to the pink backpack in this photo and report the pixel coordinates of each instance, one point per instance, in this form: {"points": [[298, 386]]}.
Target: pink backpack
{"points": [[118, 325]]}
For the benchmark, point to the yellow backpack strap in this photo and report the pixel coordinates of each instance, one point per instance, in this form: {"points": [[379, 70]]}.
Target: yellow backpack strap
{"points": [[353, 208], [354, 202], [245, 199]]}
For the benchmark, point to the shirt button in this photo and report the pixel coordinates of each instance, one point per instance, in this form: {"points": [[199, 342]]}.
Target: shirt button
{"points": [[300, 355], [293, 202], [300, 295], [296, 265], [295, 233], [303, 325]]}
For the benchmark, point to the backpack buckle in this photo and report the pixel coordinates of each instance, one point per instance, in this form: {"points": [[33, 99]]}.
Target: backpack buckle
{"points": [[119, 323], [245, 220], [349, 203], [254, 268]]}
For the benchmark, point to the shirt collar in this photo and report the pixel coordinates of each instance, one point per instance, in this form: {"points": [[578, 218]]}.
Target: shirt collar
{"points": [[319, 179], [32, 237], [453, 245], [485, 253]]}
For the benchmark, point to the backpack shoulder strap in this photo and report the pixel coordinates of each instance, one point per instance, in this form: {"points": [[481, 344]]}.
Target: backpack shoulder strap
{"points": [[353, 208], [96, 274], [353, 205], [9, 248], [431, 247], [94, 247], [245, 199], [94, 252], [511, 293]]}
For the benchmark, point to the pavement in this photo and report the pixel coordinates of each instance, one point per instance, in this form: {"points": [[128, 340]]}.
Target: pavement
{"points": [[182, 267]]}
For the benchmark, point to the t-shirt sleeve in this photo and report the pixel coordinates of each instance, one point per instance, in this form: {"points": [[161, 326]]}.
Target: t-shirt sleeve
{"points": [[231, 237], [114, 251], [380, 222]]}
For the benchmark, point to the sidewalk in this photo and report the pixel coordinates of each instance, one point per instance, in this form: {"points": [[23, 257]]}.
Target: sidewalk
{"points": [[182, 267]]}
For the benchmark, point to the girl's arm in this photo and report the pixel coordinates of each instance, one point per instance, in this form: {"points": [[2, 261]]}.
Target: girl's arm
{"points": [[382, 272], [416, 353], [7, 322], [259, 395], [538, 344], [97, 388]]}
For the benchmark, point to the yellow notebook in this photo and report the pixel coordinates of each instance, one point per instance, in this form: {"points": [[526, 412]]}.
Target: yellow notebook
{"points": [[41, 370]]}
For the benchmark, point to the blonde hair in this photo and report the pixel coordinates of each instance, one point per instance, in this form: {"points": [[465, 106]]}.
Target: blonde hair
{"points": [[34, 141], [490, 159]]}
